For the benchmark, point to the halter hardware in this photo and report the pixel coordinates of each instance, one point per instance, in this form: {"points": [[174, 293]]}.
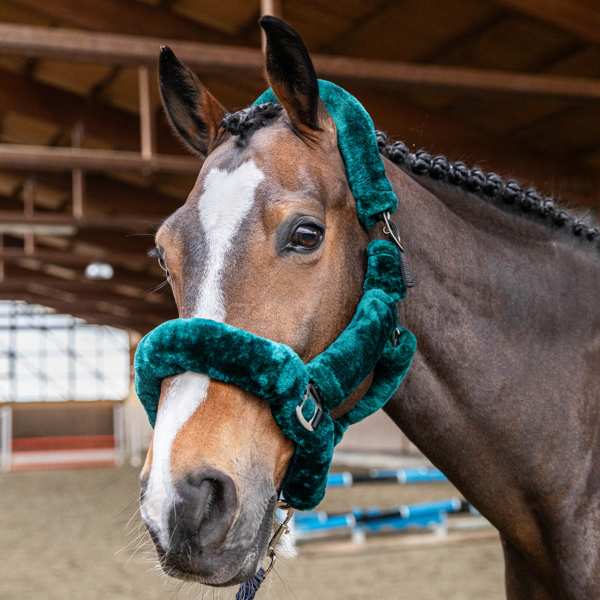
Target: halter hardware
{"points": [[312, 392], [393, 234], [279, 529]]}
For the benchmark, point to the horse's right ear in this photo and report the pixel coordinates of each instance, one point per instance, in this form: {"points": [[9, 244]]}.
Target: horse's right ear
{"points": [[193, 111]]}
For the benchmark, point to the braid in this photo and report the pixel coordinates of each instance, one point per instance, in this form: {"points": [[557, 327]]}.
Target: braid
{"points": [[488, 185], [244, 122]]}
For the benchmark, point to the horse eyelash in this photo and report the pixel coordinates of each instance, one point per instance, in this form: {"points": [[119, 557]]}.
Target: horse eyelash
{"points": [[155, 253]]}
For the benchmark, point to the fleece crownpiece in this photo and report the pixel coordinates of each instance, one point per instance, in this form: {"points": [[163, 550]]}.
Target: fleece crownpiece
{"points": [[357, 144]]}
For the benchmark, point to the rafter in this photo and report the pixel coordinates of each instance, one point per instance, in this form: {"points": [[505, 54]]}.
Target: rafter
{"points": [[17, 222], [97, 290], [124, 282], [18, 278], [105, 193], [14, 255], [124, 307], [43, 158], [579, 18], [428, 129], [110, 48], [126, 17], [99, 120], [90, 315]]}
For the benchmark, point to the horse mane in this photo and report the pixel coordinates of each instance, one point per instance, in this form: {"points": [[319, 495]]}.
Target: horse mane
{"points": [[508, 194]]}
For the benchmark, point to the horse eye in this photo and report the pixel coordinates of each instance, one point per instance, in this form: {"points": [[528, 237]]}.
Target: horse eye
{"points": [[307, 236]]}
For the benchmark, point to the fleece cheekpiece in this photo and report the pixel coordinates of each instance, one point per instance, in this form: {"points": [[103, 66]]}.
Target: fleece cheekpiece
{"points": [[273, 370]]}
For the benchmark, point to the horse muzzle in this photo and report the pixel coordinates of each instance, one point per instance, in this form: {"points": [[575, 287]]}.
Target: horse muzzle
{"points": [[204, 534]]}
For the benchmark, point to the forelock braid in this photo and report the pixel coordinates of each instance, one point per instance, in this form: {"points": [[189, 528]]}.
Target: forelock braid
{"points": [[244, 122], [483, 184]]}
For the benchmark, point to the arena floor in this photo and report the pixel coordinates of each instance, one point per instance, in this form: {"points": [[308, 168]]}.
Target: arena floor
{"points": [[64, 535]]}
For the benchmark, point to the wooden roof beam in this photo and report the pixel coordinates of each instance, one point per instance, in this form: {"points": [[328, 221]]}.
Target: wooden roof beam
{"points": [[14, 222], [44, 158], [99, 120], [124, 307], [127, 17], [101, 291], [87, 313], [43, 42], [14, 255], [65, 109], [126, 283], [420, 128], [104, 192], [579, 18]]}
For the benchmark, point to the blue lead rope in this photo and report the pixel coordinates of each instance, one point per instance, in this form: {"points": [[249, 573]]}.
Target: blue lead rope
{"points": [[248, 589]]}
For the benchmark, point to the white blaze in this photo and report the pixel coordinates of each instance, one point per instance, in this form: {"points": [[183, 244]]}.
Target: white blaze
{"points": [[226, 200]]}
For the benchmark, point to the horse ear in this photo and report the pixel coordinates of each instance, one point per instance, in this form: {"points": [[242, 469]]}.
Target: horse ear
{"points": [[193, 111], [291, 73]]}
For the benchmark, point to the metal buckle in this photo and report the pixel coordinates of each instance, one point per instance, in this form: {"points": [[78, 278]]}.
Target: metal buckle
{"points": [[279, 529], [312, 392], [396, 337]]}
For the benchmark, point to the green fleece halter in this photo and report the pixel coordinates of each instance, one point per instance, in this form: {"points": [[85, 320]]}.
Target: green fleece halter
{"points": [[301, 395]]}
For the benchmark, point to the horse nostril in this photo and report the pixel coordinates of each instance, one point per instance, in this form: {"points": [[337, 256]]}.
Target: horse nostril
{"points": [[205, 509]]}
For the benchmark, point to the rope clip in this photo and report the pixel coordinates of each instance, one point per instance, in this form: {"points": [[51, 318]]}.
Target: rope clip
{"points": [[392, 232], [279, 529]]}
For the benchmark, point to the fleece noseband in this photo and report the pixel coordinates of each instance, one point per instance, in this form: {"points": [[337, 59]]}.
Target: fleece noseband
{"points": [[300, 395]]}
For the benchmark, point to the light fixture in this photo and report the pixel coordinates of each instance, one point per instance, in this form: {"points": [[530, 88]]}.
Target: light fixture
{"points": [[99, 270]]}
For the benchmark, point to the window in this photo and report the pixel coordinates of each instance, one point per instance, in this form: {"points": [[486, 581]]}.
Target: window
{"points": [[50, 357]]}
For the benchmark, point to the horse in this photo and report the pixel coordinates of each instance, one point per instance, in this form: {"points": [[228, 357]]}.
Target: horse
{"points": [[503, 392]]}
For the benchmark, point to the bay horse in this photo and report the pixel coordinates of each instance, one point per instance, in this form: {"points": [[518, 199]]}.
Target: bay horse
{"points": [[503, 394]]}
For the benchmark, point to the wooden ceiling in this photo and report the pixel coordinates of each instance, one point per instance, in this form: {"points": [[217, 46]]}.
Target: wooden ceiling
{"points": [[450, 80]]}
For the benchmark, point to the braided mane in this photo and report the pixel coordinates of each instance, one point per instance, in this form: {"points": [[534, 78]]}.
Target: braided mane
{"points": [[487, 186]]}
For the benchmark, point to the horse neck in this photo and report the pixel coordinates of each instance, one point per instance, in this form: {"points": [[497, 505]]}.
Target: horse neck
{"points": [[488, 279], [507, 321]]}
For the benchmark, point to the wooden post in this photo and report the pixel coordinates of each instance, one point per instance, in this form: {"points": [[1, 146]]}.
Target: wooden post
{"points": [[1, 261], [28, 209], [29, 197], [273, 8], [147, 129], [78, 177]]}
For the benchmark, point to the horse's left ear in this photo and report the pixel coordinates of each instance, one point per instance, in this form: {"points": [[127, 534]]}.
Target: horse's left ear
{"points": [[291, 73], [193, 111]]}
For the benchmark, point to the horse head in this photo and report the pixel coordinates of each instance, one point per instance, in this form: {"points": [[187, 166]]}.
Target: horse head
{"points": [[267, 241]]}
